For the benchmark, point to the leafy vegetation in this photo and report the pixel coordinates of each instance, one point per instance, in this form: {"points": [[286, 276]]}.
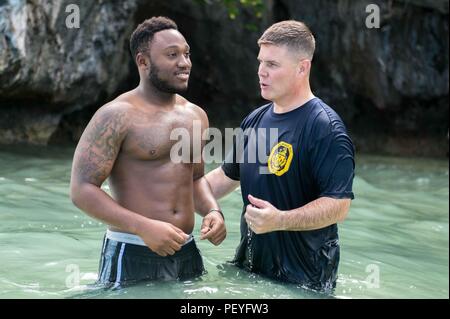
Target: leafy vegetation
{"points": [[235, 6]]}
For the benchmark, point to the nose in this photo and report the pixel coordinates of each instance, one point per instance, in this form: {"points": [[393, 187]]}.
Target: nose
{"points": [[261, 71], [184, 62]]}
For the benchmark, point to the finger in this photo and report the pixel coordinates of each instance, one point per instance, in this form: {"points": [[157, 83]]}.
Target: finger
{"points": [[217, 227], [207, 220], [220, 240], [212, 233], [180, 237], [170, 251], [161, 253], [204, 230], [216, 240], [206, 226], [179, 231], [175, 245], [252, 210], [249, 218], [207, 235], [257, 202], [218, 233]]}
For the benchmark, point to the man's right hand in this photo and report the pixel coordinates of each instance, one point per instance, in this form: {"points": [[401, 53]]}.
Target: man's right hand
{"points": [[161, 237]]}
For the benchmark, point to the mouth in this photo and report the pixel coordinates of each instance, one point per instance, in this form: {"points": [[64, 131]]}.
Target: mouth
{"points": [[263, 85], [183, 75]]}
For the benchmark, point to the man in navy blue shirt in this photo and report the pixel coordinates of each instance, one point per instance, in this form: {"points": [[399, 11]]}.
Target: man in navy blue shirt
{"points": [[296, 195]]}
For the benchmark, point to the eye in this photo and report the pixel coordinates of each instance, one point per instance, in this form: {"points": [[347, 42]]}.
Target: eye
{"points": [[172, 55], [187, 54]]}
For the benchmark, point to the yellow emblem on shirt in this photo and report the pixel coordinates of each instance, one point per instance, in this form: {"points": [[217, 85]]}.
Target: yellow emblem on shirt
{"points": [[280, 158]]}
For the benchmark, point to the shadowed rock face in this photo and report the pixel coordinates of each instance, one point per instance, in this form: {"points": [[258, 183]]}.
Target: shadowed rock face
{"points": [[390, 84], [438, 5], [47, 69]]}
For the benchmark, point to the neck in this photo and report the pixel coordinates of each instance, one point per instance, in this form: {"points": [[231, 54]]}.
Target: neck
{"points": [[153, 96], [291, 102]]}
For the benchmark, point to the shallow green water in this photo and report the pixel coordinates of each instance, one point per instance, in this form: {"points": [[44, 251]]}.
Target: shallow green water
{"points": [[394, 243]]}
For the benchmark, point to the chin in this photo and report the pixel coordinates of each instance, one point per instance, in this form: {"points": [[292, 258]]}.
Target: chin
{"points": [[182, 89], [265, 96], [176, 89]]}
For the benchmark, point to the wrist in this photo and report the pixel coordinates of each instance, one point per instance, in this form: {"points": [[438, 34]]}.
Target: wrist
{"points": [[141, 225], [135, 227], [282, 220], [218, 211]]}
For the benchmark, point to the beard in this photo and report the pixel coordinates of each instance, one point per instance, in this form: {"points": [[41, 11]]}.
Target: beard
{"points": [[163, 85]]}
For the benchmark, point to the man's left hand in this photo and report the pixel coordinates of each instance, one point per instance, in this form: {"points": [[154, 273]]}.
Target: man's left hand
{"points": [[261, 216], [213, 228]]}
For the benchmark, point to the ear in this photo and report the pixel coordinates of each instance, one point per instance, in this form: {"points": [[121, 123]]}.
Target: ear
{"points": [[304, 66], [141, 61]]}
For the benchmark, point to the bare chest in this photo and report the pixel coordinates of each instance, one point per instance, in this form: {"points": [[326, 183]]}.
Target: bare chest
{"points": [[152, 137]]}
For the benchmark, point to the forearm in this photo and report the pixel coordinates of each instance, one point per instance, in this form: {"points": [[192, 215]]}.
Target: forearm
{"points": [[203, 197], [317, 214], [220, 184], [96, 203]]}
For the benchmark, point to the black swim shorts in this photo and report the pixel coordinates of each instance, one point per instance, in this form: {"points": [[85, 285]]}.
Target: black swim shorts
{"points": [[124, 261]]}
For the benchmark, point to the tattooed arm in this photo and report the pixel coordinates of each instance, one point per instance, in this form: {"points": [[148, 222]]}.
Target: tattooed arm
{"points": [[94, 158]]}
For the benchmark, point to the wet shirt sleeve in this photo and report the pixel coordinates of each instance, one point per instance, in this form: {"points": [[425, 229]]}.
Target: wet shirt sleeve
{"points": [[333, 165]]}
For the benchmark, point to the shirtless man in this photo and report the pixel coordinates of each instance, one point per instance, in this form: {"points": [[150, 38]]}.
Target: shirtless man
{"points": [[151, 212]]}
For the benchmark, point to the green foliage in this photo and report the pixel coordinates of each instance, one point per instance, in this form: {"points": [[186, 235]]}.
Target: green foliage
{"points": [[235, 6]]}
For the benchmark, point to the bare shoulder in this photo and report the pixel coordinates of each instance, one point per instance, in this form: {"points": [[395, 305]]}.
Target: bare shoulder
{"points": [[109, 121], [114, 114], [100, 143], [115, 108], [197, 110]]}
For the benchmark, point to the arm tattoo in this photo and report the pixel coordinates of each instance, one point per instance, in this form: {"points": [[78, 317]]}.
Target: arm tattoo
{"points": [[99, 147]]}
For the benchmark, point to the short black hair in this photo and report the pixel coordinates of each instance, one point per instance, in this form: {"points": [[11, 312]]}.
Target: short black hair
{"points": [[144, 33]]}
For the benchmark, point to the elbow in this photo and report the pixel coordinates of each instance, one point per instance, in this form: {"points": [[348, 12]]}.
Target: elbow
{"points": [[342, 216], [344, 209], [76, 194], [219, 183]]}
